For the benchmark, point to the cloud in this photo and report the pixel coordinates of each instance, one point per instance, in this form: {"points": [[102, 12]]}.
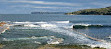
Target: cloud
{"points": [[101, 4], [57, 7], [42, 7], [51, 7], [47, 3]]}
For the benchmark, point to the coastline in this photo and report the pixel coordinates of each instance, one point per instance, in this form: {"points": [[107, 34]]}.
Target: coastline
{"points": [[52, 46], [3, 27], [96, 11], [47, 46], [79, 14]]}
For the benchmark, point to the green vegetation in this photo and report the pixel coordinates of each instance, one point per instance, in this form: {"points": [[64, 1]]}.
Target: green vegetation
{"points": [[99, 11]]}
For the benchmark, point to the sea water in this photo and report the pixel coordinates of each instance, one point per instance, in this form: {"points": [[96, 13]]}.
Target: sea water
{"points": [[25, 26]]}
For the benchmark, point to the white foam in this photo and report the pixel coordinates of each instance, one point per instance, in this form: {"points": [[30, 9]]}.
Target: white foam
{"points": [[82, 24], [37, 42], [55, 26], [25, 38], [55, 41], [21, 22], [80, 38], [31, 25], [48, 25]]}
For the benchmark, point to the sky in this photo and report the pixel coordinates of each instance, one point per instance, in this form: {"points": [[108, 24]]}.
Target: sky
{"points": [[28, 6]]}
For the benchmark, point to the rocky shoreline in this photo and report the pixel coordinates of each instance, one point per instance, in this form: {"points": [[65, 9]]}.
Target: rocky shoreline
{"points": [[47, 46], [52, 46], [97, 11], [3, 27]]}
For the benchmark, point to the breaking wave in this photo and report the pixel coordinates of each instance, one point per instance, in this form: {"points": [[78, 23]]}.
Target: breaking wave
{"points": [[90, 26], [63, 27]]}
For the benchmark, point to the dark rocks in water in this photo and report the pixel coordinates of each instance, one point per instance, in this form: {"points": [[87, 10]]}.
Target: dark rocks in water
{"points": [[18, 25], [89, 26], [36, 24], [97, 47]]}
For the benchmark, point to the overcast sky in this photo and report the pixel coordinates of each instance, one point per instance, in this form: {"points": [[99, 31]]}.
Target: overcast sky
{"points": [[28, 6]]}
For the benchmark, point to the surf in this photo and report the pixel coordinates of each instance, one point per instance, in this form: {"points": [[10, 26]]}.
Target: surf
{"points": [[64, 28]]}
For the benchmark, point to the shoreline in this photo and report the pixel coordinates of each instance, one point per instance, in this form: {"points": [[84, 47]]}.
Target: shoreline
{"points": [[51, 46], [80, 14], [47, 46], [3, 27]]}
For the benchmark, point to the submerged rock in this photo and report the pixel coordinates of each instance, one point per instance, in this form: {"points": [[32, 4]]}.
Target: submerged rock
{"points": [[55, 41]]}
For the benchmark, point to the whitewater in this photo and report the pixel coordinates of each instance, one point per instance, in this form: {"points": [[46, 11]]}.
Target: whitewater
{"points": [[63, 28]]}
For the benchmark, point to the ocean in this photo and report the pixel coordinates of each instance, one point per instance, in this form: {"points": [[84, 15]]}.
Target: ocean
{"points": [[32, 30]]}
